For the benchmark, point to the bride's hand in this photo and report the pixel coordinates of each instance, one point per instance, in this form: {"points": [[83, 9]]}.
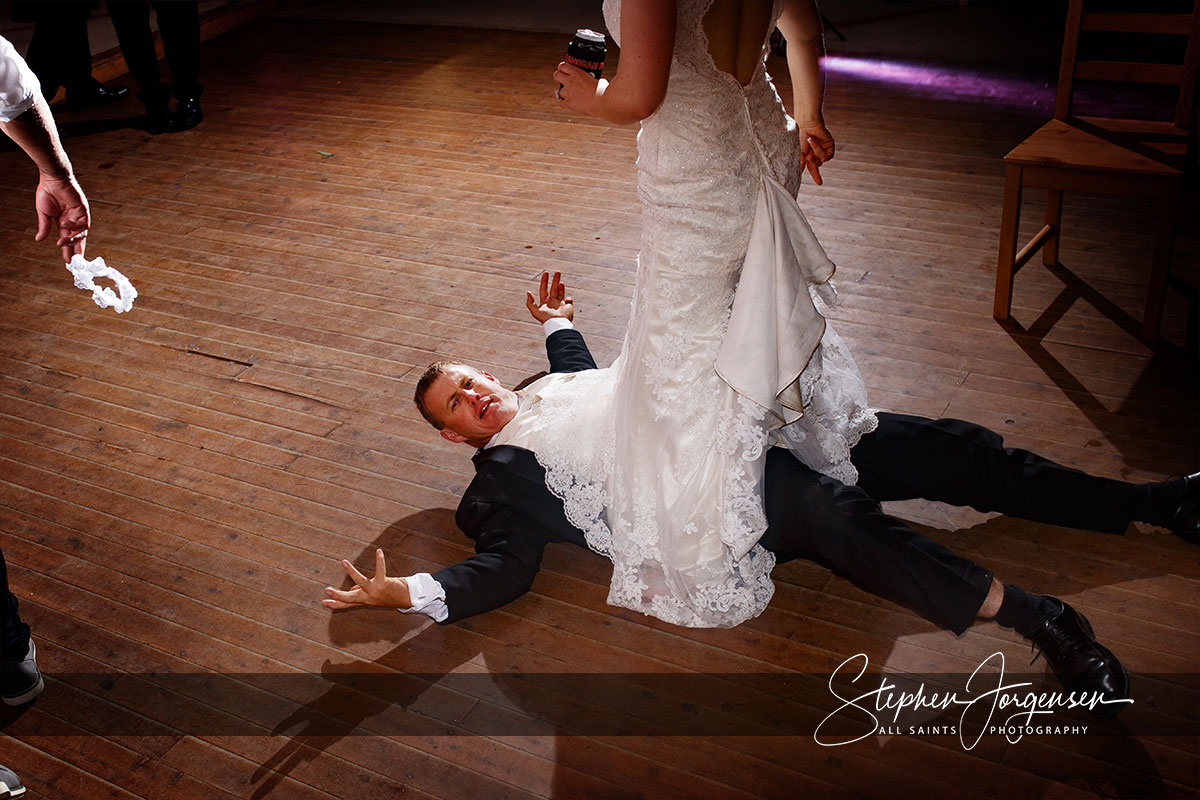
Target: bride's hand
{"points": [[579, 91], [816, 147], [552, 300], [377, 591]]}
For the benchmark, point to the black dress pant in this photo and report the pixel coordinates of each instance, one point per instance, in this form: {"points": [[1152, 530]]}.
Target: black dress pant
{"points": [[14, 634], [179, 24], [59, 53], [843, 528]]}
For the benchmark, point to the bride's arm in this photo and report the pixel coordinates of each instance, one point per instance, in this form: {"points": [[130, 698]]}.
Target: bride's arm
{"points": [[800, 25], [638, 88]]}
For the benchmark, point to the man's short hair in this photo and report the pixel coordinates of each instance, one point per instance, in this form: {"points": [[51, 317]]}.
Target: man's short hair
{"points": [[431, 374]]}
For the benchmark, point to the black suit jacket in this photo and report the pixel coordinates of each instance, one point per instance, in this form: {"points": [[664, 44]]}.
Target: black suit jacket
{"points": [[509, 513]]}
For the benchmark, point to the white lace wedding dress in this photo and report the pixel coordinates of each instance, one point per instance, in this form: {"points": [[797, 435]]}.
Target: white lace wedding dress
{"points": [[659, 458]]}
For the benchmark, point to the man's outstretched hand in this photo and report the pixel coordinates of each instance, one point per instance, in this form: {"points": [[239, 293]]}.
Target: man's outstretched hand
{"points": [[377, 591], [552, 300]]}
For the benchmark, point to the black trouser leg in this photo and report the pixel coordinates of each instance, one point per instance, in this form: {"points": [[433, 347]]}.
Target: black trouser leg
{"points": [[963, 464], [14, 634], [42, 59], [179, 24], [59, 53], [842, 527], [131, 20]]}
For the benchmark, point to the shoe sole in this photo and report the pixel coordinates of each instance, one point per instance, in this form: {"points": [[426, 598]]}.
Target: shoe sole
{"points": [[13, 792], [25, 697]]}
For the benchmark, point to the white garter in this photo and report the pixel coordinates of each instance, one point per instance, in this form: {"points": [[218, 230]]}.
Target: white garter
{"points": [[86, 272]]}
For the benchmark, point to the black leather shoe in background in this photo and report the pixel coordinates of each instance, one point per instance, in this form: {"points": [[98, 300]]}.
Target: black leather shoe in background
{"points": [[189, 113], [21, 681], [187, 106], [1185, 522], [1081, 663], [94, 94], [159, 118], [10, 784]]}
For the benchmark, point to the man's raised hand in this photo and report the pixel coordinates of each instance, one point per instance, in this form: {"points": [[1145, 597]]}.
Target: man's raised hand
{"points": [[377, 591], [552, 300]]}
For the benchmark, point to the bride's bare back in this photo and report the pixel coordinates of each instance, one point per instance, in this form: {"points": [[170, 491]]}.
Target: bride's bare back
{"points": [[736, 30]]}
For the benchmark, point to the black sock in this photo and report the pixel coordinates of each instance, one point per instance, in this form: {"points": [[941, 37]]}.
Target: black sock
{"points": [[1024, 612]]}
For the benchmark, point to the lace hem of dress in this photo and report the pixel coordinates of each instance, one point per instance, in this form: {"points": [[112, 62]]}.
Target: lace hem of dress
{"points": [[836, 413], [731, 582]]}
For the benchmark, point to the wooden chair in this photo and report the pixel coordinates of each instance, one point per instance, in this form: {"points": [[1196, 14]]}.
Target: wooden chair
{"points": [[1104, 155]]}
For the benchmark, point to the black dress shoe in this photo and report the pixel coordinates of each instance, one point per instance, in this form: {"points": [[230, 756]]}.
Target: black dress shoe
{"points": [[159, 118], [96, 94], [21, 681], [189, 113], [1185, 522], [1081, 663], [10, 784], [187, 106]]}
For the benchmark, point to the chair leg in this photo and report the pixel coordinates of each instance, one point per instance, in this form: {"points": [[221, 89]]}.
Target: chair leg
{"points": [[1054, 222], [1160, 267], [1009, 222]]}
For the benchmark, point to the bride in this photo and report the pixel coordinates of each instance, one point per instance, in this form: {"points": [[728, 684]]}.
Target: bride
{"points": [[727, 352], [659, 459]]}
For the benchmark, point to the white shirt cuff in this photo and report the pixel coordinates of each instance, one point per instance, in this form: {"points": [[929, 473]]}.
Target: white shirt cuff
{"points": [[427, 596], [557, 324]]}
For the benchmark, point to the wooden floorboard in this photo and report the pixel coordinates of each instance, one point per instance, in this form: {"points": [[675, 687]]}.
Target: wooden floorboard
{"points": [[178, 483]]}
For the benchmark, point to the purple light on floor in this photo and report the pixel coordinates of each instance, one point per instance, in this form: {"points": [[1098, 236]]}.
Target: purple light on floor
{"points": [[946, 82]]}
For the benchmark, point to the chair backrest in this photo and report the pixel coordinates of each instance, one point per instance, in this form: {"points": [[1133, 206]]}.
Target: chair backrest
{"points": [[1091, 17]]}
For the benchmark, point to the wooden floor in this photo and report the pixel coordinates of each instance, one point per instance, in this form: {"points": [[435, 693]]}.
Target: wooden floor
{"points": [[178, 483]]}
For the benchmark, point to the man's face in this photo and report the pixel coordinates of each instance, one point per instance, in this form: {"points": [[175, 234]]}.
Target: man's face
{"points": [[471, 404]]}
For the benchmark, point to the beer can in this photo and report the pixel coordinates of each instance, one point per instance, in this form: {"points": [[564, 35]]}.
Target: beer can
{"points": [[586, 51]]}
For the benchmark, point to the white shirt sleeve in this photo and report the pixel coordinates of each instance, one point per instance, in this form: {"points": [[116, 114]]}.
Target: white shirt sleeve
{"points": [[428, 597], [557, 324], [19, 87]]}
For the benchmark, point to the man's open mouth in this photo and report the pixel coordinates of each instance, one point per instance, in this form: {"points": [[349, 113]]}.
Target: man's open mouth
{"points": [[486, 405]]}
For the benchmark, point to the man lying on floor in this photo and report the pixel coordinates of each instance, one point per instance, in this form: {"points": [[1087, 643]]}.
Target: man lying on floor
{"points": [[511, 515]]}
